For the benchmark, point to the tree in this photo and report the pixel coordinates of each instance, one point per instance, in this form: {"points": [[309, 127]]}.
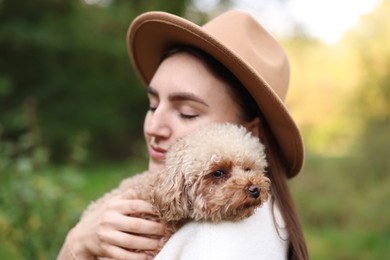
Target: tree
{"points": [[65, 77], [371, 41]]}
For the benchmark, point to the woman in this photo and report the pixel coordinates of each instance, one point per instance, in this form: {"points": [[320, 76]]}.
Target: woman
{"points": [[229, 70]]}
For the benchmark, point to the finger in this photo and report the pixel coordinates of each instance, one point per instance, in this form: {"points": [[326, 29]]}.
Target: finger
{"points": [[128, 194], [137, 225], [118, 253], [129, 207], [131, 241]]}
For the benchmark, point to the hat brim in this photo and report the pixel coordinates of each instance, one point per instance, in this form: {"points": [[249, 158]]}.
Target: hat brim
{"points": [[152, 33]]}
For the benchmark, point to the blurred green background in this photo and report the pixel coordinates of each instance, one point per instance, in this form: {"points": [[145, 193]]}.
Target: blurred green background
{"points": [[71, 114]]}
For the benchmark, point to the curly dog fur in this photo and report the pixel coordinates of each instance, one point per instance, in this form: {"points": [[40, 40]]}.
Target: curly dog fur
{"points": [[214, 174]]}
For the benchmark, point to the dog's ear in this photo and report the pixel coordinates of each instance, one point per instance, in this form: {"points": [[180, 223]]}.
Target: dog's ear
{"points": [[169, 194]]}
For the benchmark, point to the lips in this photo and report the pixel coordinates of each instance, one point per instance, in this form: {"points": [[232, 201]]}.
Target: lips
{"points": [[157, 153]]}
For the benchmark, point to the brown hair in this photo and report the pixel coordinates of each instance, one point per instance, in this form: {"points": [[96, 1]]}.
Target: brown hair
{"points": [[282, 197], [276, 170]]}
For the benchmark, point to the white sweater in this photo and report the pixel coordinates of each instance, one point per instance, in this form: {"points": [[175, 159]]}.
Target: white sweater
{"points": [[253, 238]]}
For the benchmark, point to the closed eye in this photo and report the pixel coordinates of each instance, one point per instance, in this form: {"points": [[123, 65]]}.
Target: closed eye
{"points": [[185, 116]]}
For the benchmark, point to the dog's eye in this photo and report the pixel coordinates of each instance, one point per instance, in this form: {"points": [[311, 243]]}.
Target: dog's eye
{"points": [[219, 174], [247, 169]]}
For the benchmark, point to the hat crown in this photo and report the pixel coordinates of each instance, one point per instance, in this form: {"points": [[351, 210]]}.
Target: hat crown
{"points": [[244, 36]]}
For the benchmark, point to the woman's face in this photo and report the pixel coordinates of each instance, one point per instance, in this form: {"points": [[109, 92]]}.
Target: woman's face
{"points": [[184, 95]]}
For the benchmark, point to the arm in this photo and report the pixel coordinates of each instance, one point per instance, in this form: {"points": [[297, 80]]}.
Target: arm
{"points": [[107, 229], [253, 238]]}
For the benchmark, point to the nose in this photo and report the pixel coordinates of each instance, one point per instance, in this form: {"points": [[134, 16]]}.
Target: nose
{"points": [[254, 191], [156, 125]]}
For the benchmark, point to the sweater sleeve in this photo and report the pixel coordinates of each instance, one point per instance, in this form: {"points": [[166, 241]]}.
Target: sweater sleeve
{"points": [[256, 237]]}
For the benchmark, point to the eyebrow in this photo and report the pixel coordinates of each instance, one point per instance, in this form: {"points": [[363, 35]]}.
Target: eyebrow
{"points": [[179, 96]]}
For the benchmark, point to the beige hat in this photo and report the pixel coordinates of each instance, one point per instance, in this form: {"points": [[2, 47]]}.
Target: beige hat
{"points": [[240, 43]]}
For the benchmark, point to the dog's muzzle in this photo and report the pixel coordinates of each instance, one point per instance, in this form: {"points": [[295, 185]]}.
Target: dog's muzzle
{"points": [[254, 191]]}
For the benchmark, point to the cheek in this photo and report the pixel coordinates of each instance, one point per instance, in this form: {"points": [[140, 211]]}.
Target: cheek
{"points": [[224, 109], [180, 130], [227, 116]]}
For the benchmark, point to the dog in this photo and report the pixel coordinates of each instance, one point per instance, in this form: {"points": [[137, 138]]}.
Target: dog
{"points": [[214, 174]]}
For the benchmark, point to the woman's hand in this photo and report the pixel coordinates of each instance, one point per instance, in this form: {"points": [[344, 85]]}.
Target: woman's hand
{"points": [[110, 230]]}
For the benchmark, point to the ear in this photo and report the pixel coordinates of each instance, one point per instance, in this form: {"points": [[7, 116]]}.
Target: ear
{"points": [[169, 194], [253, 126]]}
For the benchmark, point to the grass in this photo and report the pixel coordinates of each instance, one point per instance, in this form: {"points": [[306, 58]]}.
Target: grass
{"points": [[337, 243], [343, 209], [102, 178]]}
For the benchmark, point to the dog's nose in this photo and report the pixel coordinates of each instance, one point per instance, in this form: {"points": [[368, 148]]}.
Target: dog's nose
{"points": [[254, 191]]}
